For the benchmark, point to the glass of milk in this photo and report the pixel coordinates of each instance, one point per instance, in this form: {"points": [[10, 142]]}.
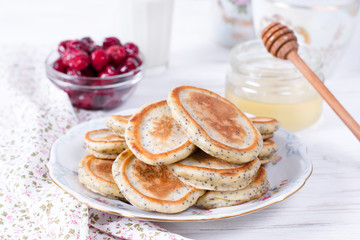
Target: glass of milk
{"points": [[151, 30]]}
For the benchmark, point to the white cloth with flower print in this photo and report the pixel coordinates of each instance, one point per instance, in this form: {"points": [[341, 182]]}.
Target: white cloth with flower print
{"points": [[33, 114]]}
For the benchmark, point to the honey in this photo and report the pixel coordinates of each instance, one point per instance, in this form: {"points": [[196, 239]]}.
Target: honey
{"points": [[262, 85], [292, 116]]}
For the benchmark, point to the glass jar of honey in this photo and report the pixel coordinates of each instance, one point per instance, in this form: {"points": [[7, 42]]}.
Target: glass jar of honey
{"points": [[263, 85]]}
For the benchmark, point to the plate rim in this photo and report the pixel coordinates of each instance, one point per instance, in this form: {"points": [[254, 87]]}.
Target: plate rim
{"points": [[306, 175]]}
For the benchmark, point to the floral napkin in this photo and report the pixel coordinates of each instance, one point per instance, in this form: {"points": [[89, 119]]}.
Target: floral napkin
{"points": [[33, 114]]}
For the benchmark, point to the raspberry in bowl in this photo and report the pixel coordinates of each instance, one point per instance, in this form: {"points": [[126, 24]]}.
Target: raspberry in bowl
{"points": [[96, 77]]}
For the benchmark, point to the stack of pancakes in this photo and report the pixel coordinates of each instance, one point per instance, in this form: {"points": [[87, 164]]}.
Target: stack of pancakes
{"points": [[195, 148], [95, 170], [267, 126]]}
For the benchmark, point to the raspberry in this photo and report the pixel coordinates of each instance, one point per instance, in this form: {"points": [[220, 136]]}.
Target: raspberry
{"points": [[83, 60], [85, 100], [87, 40], [76, 73], [76, 59], [138, 60], [94, 47], [63, 46], [78, 45], [59, 66], [111, 41], [123, 69], [131, 63], [131, 49], [89, 43], [73, 72], [88, 72], [117, 54], [108, 72], [99, 59]]}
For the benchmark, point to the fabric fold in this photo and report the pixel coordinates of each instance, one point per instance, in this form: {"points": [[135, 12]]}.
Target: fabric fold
{"points": [[33, 114]]}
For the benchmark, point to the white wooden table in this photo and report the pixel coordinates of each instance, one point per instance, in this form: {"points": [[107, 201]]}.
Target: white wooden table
{"points": [[328, 206]]}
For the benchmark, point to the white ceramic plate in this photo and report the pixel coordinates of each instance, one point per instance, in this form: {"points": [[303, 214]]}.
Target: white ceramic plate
{"points": [[286, 177]]}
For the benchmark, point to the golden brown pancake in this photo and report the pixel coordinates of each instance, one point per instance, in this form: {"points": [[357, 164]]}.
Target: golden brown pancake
{"points": [[265, 125], [107, 156], [152, 187], [217, 199], [267, 136], [96, 175], [203, 171], [155, 137], [104, 143], [269, 148], [117, 124], [214, 124], [269, 159]]}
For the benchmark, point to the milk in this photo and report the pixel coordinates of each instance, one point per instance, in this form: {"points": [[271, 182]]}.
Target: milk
{"points": [[151, 30]]}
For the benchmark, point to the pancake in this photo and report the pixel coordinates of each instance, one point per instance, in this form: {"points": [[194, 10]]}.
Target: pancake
{"points": [[203, 171], [214, 124], [267, 136], [269, 148], [265, 125], [217, 199], [117, 124], [155, 137], [104, 142], [269, 159], [96, 175], [152, 187], [107, 156]]}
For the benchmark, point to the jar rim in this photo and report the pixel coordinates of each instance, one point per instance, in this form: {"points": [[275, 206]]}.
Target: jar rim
{"points": [[252, 58]]}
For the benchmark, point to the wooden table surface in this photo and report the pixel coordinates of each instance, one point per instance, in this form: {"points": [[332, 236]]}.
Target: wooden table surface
{"points": [[328, 206]]}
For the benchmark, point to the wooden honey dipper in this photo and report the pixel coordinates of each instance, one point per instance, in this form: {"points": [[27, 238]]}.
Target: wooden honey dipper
{"points": [[281, 42]]}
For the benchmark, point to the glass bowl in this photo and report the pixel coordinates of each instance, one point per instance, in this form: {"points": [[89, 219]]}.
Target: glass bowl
{"points": [[95, 93]]}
